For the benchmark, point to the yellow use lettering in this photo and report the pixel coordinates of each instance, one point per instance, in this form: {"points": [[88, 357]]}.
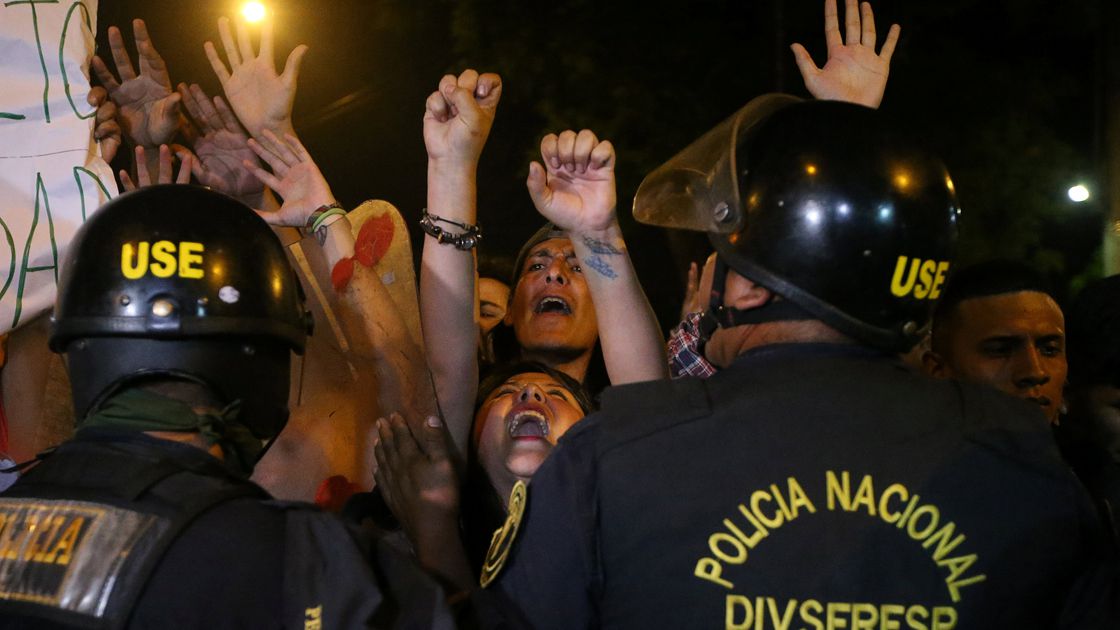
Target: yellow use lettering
{"points": [[899, 287], [922, 278], [162, 259], [190, 255], [134, 261], [938, 280], [925, 279]]}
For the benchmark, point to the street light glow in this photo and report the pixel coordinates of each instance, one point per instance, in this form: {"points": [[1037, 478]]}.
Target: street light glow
{"points": [[253, 11], [1078, 193]]}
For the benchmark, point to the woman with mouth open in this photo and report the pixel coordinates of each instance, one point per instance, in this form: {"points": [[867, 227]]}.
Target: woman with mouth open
{"points": [[521, 411]]}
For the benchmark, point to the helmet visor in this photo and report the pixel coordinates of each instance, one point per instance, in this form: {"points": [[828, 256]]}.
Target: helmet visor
{"points": [[698, 188]]}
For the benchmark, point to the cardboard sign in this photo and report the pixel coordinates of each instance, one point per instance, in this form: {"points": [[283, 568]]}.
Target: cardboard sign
{"points": [[51, 174]]}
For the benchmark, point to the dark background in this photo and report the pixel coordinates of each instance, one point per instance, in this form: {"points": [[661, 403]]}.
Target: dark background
{"points": [[1004, 90]]}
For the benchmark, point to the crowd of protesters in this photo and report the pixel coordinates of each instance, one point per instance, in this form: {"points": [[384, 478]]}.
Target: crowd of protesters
{"points": [[422, 413]]}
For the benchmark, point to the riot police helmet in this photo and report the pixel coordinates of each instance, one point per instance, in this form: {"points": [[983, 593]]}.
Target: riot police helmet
{"points": [[828, 205], [181, 282]]}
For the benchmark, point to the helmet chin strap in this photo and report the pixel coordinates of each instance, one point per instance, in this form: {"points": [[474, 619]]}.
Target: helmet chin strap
{"points": [[720, 316]]}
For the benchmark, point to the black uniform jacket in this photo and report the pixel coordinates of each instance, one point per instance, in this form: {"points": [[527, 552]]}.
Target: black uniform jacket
{"points": [[118, 529], [809, 486]]}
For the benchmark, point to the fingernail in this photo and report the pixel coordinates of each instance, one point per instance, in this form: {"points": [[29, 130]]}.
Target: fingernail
{"points": [[434, 422]]}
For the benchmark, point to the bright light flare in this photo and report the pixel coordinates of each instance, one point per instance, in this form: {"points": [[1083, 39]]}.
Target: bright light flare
{"points": [[1078, 193], [253, 11]]}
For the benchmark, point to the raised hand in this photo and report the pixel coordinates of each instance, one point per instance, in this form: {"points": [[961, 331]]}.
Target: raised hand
{"points": [[106, 130], [416, 479], [853, 72], [163, 176], [260, 98], [458, 116], [222, 148], [575, 188], [294, 176], [148, 109]]}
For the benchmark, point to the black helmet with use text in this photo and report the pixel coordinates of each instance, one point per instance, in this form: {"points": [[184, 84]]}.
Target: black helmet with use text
{"points": [[181, 282], [825, 204]]}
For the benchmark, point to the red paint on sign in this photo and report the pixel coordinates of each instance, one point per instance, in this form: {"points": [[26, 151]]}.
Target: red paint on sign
{"points": [[374, 240]]}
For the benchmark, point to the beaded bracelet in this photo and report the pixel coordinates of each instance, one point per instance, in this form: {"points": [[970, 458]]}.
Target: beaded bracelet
{"points": [[466, 240]]}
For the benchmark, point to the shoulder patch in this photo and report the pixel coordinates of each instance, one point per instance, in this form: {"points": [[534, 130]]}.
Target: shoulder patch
{"points": [[68, 554], [503, 538]]}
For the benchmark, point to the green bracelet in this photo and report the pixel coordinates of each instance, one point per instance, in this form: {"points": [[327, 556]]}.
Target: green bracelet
{"points": [[317, 212], [323, 214]]}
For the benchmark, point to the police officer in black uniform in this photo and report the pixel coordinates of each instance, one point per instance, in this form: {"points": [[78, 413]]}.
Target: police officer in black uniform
{"points": [[178, 314], [814, 482]]}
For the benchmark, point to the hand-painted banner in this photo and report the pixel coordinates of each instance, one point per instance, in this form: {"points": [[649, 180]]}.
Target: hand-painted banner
{"points": [[51, 174]]}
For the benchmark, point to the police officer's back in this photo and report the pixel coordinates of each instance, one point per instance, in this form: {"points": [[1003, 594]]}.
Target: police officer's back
{"points": [[178, 313], [814, 482]]}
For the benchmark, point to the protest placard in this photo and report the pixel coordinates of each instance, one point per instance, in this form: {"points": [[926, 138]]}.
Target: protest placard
{"points": [[51, 174]]}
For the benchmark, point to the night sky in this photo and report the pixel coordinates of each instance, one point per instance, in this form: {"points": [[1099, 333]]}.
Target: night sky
{"points": [[1005, 91]]}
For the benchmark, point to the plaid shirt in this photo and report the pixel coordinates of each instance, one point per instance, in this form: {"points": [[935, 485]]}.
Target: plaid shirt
{"points": [[684, 360]]}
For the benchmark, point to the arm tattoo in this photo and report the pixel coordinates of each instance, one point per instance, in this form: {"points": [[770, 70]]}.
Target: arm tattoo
{"points": [[602, 267], [601, 247]]}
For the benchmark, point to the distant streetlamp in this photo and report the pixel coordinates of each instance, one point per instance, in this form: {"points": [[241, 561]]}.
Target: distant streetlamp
{"points": [[253, 11], [1078, 193]]}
